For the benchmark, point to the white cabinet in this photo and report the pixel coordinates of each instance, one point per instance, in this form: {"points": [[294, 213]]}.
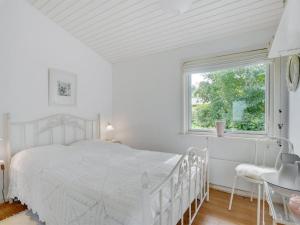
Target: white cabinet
{"points": [[287, 38]]}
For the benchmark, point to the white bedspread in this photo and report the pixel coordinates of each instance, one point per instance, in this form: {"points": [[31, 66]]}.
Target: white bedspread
{"points": [[89, 183]]}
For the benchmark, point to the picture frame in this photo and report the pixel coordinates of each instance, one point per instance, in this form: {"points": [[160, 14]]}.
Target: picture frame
{"points": [[62, 88]]}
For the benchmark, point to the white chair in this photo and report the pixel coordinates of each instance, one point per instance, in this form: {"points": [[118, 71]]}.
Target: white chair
{"points": [[252, 172]]}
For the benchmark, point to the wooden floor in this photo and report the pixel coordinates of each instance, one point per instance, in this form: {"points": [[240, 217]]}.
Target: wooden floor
{"points": [[213, 212], [7, 210]]}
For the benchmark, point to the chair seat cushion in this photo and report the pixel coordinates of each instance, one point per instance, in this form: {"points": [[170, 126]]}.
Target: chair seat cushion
{"points": [[253, 171]]}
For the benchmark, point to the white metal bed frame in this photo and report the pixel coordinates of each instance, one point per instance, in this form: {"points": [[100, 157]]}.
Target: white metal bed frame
{"points": [[193, 162], [70, 128]]}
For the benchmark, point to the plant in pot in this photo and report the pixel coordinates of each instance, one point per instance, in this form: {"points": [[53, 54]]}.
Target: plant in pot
{"points": [[220, 123]]}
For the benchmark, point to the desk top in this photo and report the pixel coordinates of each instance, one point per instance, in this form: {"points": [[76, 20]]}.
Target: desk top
{"points": [[281, 182], [278, 201]]}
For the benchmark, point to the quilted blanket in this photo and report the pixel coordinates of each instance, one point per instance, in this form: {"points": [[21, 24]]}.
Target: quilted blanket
{"points": [[88, 183]]}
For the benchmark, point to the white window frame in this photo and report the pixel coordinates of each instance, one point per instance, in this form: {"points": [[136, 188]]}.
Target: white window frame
{"points": [[271, 101]]}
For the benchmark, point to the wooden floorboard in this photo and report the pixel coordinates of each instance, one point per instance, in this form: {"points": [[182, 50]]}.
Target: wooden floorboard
{"points": [[8, 210], [214, 212]]}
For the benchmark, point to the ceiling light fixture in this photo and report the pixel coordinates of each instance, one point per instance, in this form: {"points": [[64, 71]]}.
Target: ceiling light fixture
{"points": [[176, 6]]}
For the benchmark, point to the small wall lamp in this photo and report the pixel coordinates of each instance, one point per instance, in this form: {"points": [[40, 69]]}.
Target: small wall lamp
{"points": [[109, 132], [109, 127]]}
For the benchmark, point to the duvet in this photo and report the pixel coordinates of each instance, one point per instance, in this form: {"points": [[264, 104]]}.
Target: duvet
{"points": [[88, 183]]}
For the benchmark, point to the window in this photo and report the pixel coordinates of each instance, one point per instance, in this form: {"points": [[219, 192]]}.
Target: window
{"points": [[235, 95], [234, 88]]}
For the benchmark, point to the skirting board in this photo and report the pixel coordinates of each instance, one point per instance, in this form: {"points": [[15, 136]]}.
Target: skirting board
{"points": [[236, 192]]}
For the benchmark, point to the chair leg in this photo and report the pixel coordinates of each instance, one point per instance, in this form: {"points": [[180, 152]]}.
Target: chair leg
{"points": [[258, 205], [252, 193], [207, 196], [264, 199], [232, 192]]}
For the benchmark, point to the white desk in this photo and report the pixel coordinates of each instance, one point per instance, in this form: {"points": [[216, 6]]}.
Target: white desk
{"points": [[278, 199]]}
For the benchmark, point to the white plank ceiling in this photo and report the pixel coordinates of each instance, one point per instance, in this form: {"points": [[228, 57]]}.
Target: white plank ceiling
{"points": [[121, 29]]}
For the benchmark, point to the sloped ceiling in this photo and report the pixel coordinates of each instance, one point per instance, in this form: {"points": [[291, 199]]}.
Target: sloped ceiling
{"points": [[121, 29]]}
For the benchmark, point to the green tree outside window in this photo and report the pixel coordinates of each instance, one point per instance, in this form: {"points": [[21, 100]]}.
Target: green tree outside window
{"points": [[236, 95]]}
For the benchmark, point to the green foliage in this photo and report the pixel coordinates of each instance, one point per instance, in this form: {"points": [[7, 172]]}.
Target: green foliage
{"points": [[220, 90]]}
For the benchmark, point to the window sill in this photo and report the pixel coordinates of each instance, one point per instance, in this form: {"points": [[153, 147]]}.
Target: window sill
{"points": [[226, 135]]}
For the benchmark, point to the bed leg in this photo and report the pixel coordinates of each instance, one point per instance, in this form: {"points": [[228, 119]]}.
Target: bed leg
{"points": [[146, 199], [207, 183], [207, 195]]}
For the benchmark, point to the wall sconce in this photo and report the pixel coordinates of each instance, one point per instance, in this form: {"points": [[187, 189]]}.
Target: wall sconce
{"points": [[109, 132]]}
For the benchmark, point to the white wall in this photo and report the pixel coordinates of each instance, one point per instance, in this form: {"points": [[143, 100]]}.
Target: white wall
{"points": [[294, 127], [29, 44], [147, 104]]}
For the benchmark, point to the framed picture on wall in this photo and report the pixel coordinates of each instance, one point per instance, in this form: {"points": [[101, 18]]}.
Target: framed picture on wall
{"points": [[62, 88]]}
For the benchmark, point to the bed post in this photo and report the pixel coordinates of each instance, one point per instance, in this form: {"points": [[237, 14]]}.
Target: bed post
{"points": [[146, 199], [207, 168], [6, 142], [207, 174], [98, 126], [6, 135]]}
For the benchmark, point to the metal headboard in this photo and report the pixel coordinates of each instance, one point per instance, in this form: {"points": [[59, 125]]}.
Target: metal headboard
{"points": [[54, 129]]}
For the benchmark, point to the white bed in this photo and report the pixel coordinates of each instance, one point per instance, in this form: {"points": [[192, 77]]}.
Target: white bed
{"points": [[91, 182]]}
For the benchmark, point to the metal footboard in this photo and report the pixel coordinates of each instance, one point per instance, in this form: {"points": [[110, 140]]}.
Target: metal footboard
{"points": [[184, 189]]}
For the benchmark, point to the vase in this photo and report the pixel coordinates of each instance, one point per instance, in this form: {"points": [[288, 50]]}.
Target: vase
{"points": [[294, 204], [220, 127]]}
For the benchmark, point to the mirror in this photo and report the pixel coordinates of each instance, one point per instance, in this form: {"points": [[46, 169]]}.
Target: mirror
{"points": [[292, 74]]}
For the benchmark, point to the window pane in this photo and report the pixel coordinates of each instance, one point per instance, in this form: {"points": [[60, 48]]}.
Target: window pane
{"points": [[236, 95]]}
